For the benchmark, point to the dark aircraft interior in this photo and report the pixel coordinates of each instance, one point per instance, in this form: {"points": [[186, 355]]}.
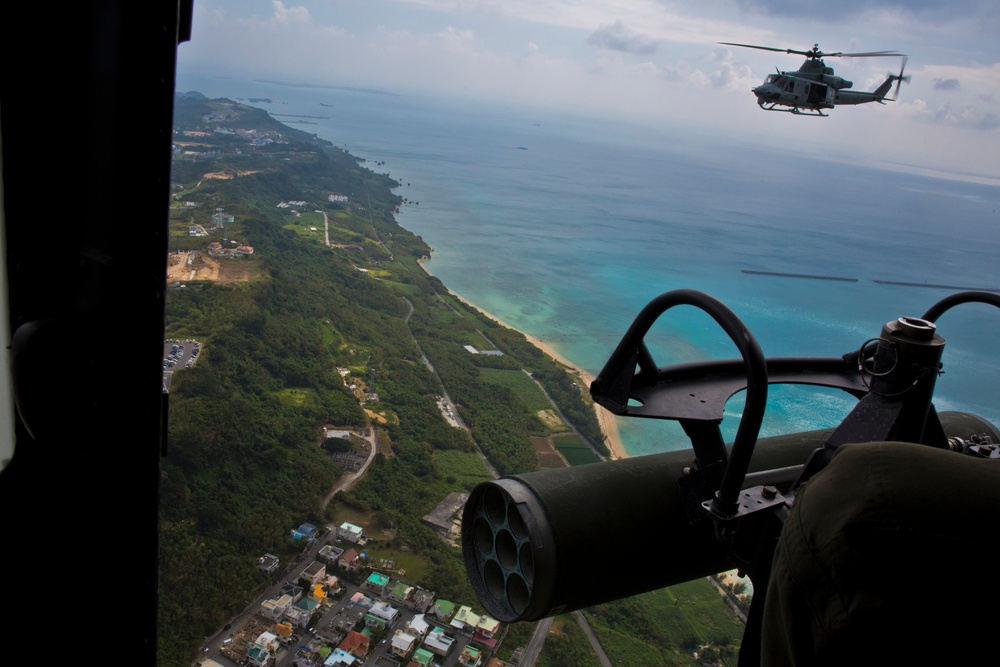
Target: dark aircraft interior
{"points": [[86, 103]]}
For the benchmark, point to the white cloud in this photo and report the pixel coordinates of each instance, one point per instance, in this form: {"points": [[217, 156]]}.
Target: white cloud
{"points": [[617, 37], [966, 116], [729, 72], [455, 40], [285, 15]]}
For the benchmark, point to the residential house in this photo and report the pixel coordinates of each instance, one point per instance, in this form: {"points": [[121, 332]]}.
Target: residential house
{"points": [[399, 592], [421, 600], [293, 591], [268, 563], [330, 554], [402, 644], [381, 614], [362, 600], [350, 560], [348, 618], [487, 626], [317, 594], [421, 658], [464, 619], [297, 616], [375, 622], [323, 652], [356, 644], [377, 582], [438, 642], [341, 658], [350, 532], [418, 626], [315, 573], [485, 632], [258, 655], [300, 612], [268, 640], [275, 609], [442, 610], [284, 631], [470, 657], [306, 531]]}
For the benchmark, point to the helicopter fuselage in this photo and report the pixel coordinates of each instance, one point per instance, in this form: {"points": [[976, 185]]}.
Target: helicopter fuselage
{"points": [[811, 88], [788, 90]]}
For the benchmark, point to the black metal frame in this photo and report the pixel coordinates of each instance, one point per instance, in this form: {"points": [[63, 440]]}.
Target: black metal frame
{"points": [[894, 379]]}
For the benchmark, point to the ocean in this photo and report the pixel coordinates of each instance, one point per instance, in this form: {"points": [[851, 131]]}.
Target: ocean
{"points": [[565, 227]]}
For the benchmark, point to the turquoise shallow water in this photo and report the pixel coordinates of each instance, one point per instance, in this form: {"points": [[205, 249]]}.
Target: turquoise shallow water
{"points": [[565, 228]]}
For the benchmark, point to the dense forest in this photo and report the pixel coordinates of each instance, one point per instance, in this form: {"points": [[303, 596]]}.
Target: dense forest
{"points": [[244, 461]]}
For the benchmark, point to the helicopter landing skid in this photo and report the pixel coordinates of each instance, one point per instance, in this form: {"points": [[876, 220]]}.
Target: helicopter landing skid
{"points": [[771, 106]]}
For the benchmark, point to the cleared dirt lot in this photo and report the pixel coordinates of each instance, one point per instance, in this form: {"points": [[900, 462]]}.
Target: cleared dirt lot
{"points": [[196, 265], [548, 456]]}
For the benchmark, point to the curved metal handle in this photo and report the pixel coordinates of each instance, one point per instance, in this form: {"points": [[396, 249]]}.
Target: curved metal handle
{"points": [[613, 385]]}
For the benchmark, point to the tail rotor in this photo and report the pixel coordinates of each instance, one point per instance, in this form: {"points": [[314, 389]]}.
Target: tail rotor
{"points": [[899, 78]]}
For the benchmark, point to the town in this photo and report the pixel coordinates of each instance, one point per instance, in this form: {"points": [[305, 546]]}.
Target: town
{"points": [[347, 609]]}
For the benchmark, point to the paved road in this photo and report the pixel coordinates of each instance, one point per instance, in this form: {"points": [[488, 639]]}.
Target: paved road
{"points": [[592, 638], [536, 642], [454, 415], [348, 480]]}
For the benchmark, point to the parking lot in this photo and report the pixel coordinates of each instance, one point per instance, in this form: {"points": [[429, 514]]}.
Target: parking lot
{"points": [[178, 355]]}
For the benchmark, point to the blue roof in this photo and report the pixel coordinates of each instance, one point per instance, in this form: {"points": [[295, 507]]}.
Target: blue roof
{"points": [[305, 530]]}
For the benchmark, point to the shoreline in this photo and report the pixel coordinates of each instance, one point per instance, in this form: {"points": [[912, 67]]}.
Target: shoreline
{"points": [[604, 418]]}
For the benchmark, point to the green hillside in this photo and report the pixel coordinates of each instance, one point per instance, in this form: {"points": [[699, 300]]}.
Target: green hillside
{"points": [[244, 463]]}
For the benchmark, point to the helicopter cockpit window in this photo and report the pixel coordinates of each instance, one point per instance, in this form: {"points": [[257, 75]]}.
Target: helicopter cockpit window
{"points": [[789, 85], [772, 78]]}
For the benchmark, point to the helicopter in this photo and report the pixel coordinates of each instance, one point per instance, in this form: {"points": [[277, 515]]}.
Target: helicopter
{"points": [[814, 87]]}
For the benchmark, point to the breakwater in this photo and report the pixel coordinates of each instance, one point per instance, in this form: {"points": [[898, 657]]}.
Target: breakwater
{"points": [[899, 283], [798, 275], [937, 286]]}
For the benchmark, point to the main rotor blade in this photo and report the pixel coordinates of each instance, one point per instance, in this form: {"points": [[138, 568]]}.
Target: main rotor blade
{"points": [[869, 54], [815, 53], [768, 48]]}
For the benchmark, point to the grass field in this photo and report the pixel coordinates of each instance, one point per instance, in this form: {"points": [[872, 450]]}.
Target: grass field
{"points": [[406, 565], [466, 468], [520, 384], [382, 544], [672, 621], [576, 451]]}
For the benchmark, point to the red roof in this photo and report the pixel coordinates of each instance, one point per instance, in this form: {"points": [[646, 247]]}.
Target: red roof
{"points": [[488, 642], [355, 643]]}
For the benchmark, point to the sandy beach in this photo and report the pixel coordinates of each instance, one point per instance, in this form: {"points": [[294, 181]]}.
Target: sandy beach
{"points": [[604, 418]]}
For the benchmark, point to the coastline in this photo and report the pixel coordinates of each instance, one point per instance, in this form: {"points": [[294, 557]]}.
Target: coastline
{"points": [[605, 419]]}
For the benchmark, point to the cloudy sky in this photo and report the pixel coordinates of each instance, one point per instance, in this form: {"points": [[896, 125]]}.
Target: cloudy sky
{"points": [[652, 61]]}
